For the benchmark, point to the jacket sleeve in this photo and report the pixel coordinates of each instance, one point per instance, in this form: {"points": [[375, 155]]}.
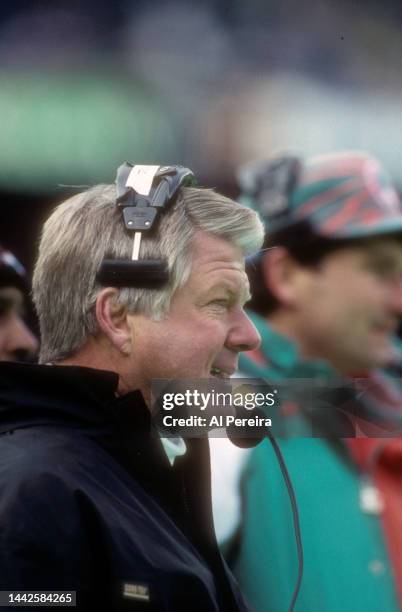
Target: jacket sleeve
{"points": [[43, 542]]}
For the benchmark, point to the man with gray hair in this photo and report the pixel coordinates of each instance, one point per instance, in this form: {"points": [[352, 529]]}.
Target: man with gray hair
{"points": [[90, 500]]}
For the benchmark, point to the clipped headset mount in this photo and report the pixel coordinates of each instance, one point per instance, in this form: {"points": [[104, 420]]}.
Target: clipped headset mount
{"points": [[270, 184], [143, 194]]}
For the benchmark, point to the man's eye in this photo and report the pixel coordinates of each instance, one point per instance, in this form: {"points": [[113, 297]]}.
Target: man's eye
{"points": [[222, 302]]}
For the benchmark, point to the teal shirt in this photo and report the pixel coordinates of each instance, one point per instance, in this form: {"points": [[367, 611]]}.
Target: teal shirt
{"points": [[346, 566]]}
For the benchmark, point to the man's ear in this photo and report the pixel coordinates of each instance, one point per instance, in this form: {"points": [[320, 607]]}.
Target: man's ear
{"points": [[282, 275], [112, 319]]}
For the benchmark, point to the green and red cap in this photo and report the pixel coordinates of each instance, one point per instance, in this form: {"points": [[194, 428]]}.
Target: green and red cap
{"points": [[340, 195]]}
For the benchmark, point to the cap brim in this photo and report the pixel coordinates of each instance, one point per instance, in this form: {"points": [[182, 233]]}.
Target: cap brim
{"points": [[392, 226]]}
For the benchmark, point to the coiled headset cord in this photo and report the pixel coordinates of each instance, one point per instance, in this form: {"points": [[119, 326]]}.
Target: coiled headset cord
{"points": [[248, 441], [295, 513]]}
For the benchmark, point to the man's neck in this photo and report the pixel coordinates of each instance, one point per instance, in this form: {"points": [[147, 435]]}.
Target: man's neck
{"points": [[100, 355]]}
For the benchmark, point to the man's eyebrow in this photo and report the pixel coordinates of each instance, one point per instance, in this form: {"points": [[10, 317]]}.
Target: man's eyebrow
{"points": [[242, 292]]}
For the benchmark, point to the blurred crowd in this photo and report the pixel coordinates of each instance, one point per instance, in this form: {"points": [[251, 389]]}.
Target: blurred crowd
{"points": [[211, 84], [214, 84]]}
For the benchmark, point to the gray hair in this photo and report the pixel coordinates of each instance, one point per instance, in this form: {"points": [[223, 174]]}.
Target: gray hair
{"points": [[88, 227]]}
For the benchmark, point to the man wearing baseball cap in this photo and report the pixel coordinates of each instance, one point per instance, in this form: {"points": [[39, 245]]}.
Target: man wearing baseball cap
{"points": [[16, 340], [327, 297]]}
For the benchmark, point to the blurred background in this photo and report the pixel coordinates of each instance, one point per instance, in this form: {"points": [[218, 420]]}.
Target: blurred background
{"points": [[205, 83]]}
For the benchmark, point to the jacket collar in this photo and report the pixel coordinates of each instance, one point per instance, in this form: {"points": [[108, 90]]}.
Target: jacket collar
{"points": [[34, 394]]}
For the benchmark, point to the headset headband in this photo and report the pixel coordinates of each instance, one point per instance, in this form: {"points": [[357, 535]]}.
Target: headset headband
{"points": [[143, 193]]}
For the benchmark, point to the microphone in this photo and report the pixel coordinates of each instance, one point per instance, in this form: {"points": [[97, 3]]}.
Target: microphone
{"points": [[246, 435], [244, 428]]}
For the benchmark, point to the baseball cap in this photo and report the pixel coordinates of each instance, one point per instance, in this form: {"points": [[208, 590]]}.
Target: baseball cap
{"points": [[341, 195], [12, 272]]}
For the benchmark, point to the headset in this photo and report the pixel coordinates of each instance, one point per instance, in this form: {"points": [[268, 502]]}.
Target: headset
{"points": [[143, 194], [270, 185]]}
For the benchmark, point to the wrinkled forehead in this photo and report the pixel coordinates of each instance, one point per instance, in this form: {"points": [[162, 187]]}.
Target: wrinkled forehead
{"points": [[209, 250]]}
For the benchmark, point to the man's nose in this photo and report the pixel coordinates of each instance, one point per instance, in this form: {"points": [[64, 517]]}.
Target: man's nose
{"points": [[243, 335], [21, 343]]}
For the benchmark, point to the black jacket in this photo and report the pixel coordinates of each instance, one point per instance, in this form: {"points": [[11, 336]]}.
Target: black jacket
{"points": [[89, 501]]}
